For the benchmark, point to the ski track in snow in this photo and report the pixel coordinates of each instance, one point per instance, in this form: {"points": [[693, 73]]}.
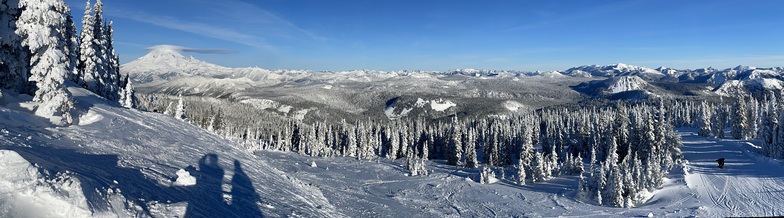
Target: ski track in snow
{"points": [[749, 184]]}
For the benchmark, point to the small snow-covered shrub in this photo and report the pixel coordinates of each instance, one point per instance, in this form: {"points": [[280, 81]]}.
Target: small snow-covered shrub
{"points": [[487, 176]]}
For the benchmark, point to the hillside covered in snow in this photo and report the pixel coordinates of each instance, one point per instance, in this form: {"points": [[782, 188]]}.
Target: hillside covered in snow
{"points": [[123, 162]]}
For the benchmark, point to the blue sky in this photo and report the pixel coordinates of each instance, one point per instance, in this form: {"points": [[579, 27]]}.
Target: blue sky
{"points": [[450, 34]]}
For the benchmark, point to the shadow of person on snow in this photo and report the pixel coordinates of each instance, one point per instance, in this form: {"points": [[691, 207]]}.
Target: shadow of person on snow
{"points": [[98, 174], [210, 202], [244, 196], [209, 178]]}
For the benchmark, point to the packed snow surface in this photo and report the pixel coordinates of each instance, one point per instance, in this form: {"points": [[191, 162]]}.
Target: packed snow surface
{"points": [[382, 188], [748, 185], [128, 163]]}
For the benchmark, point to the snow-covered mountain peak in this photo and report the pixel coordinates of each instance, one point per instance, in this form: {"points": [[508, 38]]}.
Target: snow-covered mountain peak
{"points": [[741, 68], [169, 56], [621, 67], [164, 52], [615, 70], [166, 61]]}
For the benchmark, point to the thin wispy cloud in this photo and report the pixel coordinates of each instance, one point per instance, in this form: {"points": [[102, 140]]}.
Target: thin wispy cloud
{"points": [[228, 20], [243, 12], [191, 50], [202, 29]]}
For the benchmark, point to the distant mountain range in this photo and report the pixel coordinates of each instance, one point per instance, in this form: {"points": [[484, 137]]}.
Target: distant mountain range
{"points": [[469, 91], [164, 63]]}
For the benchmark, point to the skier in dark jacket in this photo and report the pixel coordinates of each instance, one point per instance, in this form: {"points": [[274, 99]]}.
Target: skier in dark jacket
{"points": [[721, 162]]}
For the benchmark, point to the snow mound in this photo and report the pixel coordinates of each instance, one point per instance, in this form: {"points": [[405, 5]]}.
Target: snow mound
{"points": [[184, 178], [25, 193], [89, 118]]}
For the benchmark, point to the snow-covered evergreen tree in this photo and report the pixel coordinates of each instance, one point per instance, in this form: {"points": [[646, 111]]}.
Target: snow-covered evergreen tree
{"points": [[582, 186], [553, 165], [98, 64], [487, 175], [601, 183], [128, 95], [113, 90], [740, 119], [99, 46], [41, 27], [455, 149], [520, 172], [538, 170], [72, 48], [87, 55], [14, 63], [703, 121], [180, 112], [470, 151]]}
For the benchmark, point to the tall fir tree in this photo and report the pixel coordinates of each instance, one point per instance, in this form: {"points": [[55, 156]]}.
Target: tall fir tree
{"points": [[72, 49], [180, 112], [128, 95], [703, 121], [14, 64], [740, 122], [87, 65], [113, 88], [41, 25]]}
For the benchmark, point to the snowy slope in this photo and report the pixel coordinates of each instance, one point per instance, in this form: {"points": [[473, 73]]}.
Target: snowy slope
{"points": [[121, 162], [361, 188], [758, 86], [749, 185], [626, 83]]}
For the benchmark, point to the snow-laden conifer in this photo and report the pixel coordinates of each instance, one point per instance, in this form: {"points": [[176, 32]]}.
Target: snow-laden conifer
{"points": [[41, 26], [14, 63]]}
